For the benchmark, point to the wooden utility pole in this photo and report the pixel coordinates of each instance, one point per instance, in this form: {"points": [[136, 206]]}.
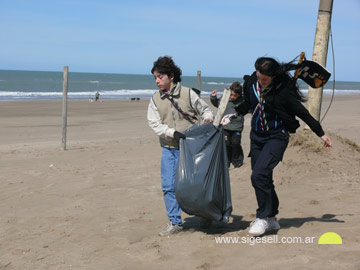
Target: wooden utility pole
{"points": [[64, 106], [199, 79], [320, 53]]}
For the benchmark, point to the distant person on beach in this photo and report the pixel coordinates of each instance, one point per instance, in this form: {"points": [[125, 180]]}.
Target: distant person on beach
{"points": [[273, 96], [172, 110], [97, 96], [234, 126]]}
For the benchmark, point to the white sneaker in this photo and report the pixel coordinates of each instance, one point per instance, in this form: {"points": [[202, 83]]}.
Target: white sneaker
{"points": [[273, 224], [171, 229], [258, 227]]}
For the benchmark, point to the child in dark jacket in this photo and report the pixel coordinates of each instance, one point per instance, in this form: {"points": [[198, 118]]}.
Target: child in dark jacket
{"points": [[234, 128]]}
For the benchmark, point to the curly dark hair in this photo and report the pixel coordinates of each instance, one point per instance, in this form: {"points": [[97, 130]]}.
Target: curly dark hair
{"points": [[165, 65]]}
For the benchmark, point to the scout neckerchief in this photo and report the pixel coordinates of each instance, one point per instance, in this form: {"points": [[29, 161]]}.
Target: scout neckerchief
{"points": [[262, 115], [169, 96]]}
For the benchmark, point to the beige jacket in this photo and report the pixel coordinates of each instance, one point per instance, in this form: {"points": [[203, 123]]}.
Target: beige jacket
{"points": [[164, 119]]}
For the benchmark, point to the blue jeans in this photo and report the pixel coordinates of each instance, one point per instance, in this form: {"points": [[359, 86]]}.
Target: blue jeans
{"points": [[169, 160]]}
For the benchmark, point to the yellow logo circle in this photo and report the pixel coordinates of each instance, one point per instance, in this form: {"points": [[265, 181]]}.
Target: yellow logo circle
{"points": [[330, 238]]}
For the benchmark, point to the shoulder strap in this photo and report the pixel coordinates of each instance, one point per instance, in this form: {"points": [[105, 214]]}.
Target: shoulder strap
{"points": [[177, 107]]}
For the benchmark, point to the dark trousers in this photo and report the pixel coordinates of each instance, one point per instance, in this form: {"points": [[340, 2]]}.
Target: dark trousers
{"points": [[266, 152], [234, 150]]}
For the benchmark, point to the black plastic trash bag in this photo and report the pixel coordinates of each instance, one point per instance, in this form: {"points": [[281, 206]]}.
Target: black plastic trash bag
{"points": [[202, 184]]}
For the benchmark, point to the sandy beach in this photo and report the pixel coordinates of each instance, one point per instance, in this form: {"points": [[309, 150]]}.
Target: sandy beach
{"points": [[99, 205]]}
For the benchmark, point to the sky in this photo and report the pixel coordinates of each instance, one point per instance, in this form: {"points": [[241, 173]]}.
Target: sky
{"points": [[220, 38]]}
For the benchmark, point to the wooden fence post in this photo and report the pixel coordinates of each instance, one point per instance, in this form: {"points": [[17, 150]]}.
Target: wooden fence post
{"points": [[64, 106], [199, 79], [222, 107]]}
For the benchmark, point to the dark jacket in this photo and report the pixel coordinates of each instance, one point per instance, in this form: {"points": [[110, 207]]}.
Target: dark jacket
{"points": [[236, 124], [284, 100]]}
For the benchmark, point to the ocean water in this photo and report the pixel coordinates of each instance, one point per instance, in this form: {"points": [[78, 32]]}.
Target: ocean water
{"points": [[43, 85]]}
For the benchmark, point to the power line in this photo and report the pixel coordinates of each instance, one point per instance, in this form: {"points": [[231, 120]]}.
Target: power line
{"points": [[333, 93]]}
